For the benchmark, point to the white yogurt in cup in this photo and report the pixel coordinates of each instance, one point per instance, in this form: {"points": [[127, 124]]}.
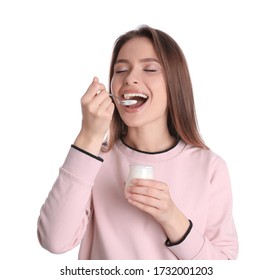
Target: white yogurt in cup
{"points": [[139, 172]]}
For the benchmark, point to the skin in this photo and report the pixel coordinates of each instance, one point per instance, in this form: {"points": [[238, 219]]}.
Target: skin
{"points": [[97, 112], [137, 69]]}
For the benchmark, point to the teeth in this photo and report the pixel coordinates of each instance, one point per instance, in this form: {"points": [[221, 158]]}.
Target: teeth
{"points": [[131, 95]]}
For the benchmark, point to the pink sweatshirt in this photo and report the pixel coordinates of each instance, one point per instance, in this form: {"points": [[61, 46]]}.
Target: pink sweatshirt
{"points": [[87, 205]]}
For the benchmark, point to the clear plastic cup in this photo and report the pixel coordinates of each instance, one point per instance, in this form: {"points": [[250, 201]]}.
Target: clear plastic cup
{"points": [[139, 172]]}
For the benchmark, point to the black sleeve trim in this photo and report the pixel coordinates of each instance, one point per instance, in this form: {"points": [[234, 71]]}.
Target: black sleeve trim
{"points": [[85, 152], [168, 243]]}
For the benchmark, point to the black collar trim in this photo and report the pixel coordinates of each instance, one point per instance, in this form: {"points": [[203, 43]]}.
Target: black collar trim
{"points": [[150, 153]]}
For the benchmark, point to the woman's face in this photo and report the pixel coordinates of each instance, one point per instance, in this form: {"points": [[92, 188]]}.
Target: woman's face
{"points": [[138, 75]]}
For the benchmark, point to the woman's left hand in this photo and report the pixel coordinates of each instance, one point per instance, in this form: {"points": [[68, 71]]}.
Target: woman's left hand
{"points": [[153, 197]]}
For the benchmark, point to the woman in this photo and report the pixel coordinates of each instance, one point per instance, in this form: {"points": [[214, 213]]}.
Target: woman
{"points": [[185, 212]]}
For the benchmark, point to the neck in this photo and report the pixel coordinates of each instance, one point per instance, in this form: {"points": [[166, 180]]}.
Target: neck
{"points": [[149, 140]]}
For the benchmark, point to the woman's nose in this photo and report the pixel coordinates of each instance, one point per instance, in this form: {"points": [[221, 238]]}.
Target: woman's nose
{"points": [[131, 79]]}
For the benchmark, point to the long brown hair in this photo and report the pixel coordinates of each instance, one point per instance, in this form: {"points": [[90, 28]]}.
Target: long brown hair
{"points": [[182, 121]]}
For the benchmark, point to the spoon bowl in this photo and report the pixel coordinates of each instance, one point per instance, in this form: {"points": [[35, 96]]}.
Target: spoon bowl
{"points": [[126, 102]]}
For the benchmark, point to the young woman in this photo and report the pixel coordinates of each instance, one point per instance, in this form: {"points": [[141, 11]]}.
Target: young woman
{"points": [[185, 212]]}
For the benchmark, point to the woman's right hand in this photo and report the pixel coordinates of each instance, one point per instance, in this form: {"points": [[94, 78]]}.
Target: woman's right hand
{"points": [[97, 112]]}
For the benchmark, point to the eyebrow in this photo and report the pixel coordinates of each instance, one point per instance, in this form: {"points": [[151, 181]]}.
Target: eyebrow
{"points": [[149, 59]]}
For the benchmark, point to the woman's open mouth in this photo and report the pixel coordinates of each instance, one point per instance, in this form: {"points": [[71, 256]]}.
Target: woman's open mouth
{"points": [[141, 98]]}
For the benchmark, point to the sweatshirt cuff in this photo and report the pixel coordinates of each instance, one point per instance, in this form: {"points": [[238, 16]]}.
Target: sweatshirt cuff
{"points": [[87, 153], [190, 247], [168, 243], [81, 165]]}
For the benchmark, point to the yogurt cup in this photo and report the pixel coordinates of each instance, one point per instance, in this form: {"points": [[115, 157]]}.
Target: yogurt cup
{"points": [[139, 172]]}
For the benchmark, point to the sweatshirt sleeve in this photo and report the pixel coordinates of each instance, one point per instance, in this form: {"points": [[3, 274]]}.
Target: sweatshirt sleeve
{"points": [[219, 241], [67, 210]]}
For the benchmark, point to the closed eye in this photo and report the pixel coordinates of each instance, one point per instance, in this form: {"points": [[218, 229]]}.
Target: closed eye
{"points": [[120, 71], [150, 70]]}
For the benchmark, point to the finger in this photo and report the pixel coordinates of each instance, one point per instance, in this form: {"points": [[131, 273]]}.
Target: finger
{"points": [[144, 207], [148, 200], [149, 183], [111, 108], [94, 88], [98, 85], [100, 98], [147, 191], [95, 79], [105, 104]]}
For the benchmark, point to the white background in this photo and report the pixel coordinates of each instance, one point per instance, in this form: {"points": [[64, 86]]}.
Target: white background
{"points": [[49, 53]]}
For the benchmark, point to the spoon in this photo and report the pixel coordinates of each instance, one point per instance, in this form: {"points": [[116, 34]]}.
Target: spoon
{"points": [[126, 102]]}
